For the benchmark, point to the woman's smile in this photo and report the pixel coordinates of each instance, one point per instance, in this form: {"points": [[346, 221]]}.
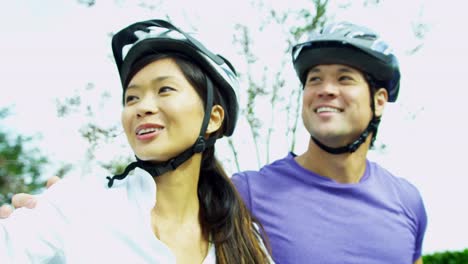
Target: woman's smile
{"points": [[148, 131]]}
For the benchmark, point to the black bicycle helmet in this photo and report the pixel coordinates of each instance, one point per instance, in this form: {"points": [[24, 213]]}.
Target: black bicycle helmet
{"points": [[151, 37], [353, 45]]}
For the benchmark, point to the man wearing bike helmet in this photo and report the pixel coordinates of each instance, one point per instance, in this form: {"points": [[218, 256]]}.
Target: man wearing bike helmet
{"points": [[330, 204]]}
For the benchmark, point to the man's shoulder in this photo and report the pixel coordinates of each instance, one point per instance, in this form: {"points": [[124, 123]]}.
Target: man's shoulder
{"points": [[270, 169], [251, 183], [402, 188], [405, 194], [389, 177]]}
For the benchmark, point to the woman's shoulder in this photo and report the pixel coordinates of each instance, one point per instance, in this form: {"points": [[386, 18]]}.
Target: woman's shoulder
{"points": [[76, 192]]}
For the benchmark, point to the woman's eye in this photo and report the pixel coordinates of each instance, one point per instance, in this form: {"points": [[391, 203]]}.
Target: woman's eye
{"points": [[130, 98], [165, 89]]}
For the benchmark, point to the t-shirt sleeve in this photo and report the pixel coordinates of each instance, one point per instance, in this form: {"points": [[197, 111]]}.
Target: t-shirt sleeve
{"points": [[421, 230], [415, 209], [241, 182]]}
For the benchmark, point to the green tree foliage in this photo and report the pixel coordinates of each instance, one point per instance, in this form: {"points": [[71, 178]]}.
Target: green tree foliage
{"points": [[447, 257], [20, 166]]}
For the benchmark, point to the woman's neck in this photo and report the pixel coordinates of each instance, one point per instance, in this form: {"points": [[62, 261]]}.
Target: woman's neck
{"points": [[176, 216], [176, 195]]}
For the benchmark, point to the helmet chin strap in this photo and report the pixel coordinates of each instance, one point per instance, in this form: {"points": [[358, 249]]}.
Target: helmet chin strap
{"points": [[158, 168], [353, 146]]}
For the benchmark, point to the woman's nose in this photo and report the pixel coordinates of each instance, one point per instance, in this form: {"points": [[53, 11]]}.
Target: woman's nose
{"points": [[147, 106]]}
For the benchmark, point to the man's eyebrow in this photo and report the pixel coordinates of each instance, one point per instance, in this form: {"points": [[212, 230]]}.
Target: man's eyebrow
{"points": [[314, 70], [347, 69], [342, 69]]}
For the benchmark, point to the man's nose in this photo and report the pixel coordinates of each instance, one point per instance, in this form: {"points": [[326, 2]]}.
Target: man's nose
{"points": [[328, 89]]}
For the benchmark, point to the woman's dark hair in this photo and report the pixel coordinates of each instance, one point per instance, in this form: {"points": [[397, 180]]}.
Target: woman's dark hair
{"points": [[225, 220]]}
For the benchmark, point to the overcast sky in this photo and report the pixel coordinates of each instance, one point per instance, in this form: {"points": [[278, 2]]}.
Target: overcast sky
{"points": [[52, 49]]}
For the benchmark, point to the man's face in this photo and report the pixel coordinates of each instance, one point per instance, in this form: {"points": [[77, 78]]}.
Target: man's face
{"points": [[336, 104]]}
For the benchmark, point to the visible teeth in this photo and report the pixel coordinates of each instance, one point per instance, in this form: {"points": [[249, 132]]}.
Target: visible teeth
{"points": [[326, 109], [148, 130]]}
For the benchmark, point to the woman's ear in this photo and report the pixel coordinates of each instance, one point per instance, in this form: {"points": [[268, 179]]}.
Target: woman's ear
{"points": [[216, 119], [380, 99]]}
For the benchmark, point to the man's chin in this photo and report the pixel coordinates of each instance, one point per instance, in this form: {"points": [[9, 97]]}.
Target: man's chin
{"points": [[331, 139]]}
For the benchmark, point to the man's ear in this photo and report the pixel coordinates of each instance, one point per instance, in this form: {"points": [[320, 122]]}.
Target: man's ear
{"points": [[380, 99], [216, 119]]}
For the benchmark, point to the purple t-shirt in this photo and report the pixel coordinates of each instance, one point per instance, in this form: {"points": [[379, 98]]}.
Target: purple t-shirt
{"points": [[312, 219]]}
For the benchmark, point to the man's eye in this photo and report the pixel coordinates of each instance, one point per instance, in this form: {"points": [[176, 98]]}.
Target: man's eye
{"points": [[345, 78], [313, 79]]}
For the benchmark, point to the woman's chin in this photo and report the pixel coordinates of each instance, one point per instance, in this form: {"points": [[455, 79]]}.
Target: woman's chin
{"points": [[151, 158]]}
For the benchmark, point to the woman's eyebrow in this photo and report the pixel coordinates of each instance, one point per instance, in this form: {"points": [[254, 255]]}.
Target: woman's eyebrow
{"points": [[155, 80]]}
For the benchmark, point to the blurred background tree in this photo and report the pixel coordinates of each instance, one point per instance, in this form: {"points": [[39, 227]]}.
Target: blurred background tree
{"points": [[268, 108], [20, 164]]}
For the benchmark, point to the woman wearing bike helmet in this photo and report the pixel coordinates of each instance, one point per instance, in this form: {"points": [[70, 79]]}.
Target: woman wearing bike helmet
{"points": [[331, 204], [175, 203]]}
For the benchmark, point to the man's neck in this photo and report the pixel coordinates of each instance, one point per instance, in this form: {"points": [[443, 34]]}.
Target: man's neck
{"points": [[342, 168]]}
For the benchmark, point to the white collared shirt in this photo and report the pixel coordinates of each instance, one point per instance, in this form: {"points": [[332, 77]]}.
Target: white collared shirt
{"points": [[81, 220]]}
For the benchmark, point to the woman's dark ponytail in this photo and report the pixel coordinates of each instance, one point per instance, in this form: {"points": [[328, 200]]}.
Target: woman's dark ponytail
{"points": [[225, 220]]}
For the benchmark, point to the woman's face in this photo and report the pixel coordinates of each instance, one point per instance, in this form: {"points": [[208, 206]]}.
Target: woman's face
{"points": [[163, 113]]}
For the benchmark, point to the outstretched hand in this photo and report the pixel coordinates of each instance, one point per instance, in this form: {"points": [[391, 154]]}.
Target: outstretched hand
{"points": [[23, 200]]}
